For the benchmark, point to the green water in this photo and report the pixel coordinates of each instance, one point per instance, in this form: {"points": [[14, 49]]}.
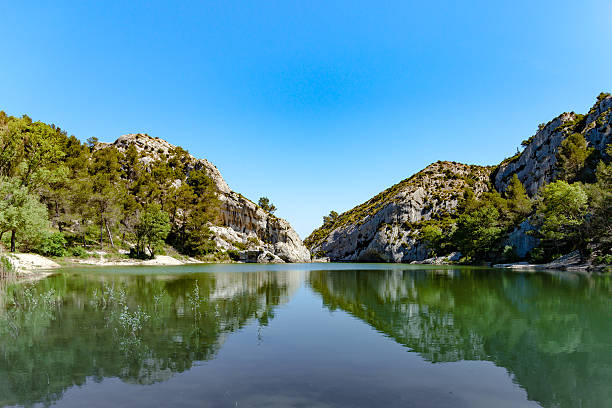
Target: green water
{"points": [[336, 335]]}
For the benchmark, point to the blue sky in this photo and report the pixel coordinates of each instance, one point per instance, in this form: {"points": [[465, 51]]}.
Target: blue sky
{"points": [[318, 105]]}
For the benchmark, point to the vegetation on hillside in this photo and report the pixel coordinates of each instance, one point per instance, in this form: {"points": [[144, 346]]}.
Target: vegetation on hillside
{"points": [[574, 212], [59, 195], [447, 180]]}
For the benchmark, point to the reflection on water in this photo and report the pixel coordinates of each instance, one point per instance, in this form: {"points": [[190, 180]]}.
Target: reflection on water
{"points": [[552, 333], [140, 329]]}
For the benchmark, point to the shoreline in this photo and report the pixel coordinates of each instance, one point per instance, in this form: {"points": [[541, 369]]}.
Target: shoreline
{"points": [[29, 266]]}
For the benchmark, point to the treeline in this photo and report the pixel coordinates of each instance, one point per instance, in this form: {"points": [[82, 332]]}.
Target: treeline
{"points": [[58, 194], [572, 213]]}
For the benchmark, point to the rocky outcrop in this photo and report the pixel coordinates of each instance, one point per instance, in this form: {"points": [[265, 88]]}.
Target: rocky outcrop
{"points": [[386, 228], [535, 166], [243, 226], [383, 228], [440, 260], [521, 240]]}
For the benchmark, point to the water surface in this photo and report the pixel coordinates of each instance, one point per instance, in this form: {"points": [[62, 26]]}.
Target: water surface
{"points": [[330, 335]]}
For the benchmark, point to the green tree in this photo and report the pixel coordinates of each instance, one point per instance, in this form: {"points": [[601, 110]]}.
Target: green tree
{"points": [[194, 206], [106, 190], [563, 208], [151, 231], [331, 218], [572, 156], [266, 205], [518, 200], [432, 236], [478, 231], [600, 202], [20, 212]]}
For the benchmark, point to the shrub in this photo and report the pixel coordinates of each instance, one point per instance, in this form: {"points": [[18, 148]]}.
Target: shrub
{"points": [[52, 245], [603, 260], [509, 254], [79, 252], [537, 255], [234, 254], [240, 245]]}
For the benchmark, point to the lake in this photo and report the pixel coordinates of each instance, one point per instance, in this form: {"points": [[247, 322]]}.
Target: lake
{"points": [[312, 335]]}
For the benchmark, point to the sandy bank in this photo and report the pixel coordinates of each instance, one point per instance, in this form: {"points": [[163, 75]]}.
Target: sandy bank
{"points": [[159, 260], [26, 264]]}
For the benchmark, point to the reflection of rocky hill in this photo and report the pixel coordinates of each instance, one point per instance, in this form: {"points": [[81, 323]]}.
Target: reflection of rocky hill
{"points": [[554, 337], [89, 334]]}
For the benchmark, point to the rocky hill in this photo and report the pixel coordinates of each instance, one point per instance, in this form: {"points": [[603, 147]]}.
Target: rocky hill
{"points": [[535, 166], [387, 227], [244, 227]]}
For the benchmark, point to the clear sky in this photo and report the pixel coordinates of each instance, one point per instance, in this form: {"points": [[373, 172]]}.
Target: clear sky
{"points": [[318, 105]]}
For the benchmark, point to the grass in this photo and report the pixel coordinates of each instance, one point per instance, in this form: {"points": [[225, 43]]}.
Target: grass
{"points": [[7, 270]]}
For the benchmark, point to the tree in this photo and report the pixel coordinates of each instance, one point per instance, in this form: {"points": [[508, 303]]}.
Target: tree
{"points": [[106, 190], [264, 203], [331, 218], [478, 231], [194, 205], [151, 231], [92, 142], [572, 156], [431, 236], [563, 208], [518, 200], [20, 211], [599, 222]]}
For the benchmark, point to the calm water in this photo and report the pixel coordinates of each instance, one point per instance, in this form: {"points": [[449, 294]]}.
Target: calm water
{"points": [[306, 336]]}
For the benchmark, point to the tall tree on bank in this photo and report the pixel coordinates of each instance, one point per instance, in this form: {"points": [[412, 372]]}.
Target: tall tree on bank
{"points": [[20, 212], [563, 210], [151, 231]]}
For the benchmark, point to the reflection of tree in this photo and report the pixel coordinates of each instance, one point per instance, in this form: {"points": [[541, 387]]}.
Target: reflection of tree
{"points": [[137, 328], [554, 336]]}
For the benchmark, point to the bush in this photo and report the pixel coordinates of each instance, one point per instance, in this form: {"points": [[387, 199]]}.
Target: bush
{"points": [[79, 252], [233, 254], [241, 246], [509, 254], [537, 255], [52, 245], [603, 260]]}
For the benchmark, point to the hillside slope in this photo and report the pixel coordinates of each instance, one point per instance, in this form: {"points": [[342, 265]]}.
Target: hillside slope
{"points": [[385, 228], [389, 226], [243, 226], [536, 166]]}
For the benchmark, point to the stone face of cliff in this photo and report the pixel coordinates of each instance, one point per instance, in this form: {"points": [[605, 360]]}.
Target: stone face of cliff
{"points": [[382, 229], [536, 165], [243, 223]]}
